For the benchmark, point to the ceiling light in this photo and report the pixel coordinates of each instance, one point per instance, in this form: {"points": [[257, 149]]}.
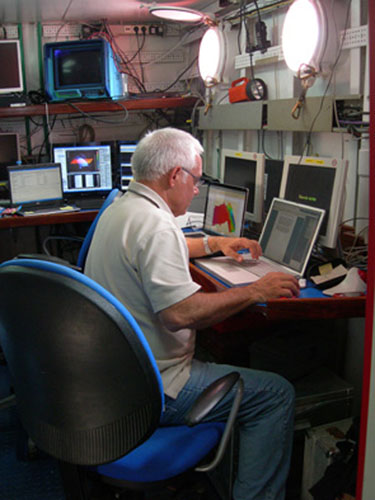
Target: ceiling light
{"points": [[180, 14]]}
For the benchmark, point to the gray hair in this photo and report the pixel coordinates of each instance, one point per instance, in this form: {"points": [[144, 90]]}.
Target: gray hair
{"points": [[161, 150]]}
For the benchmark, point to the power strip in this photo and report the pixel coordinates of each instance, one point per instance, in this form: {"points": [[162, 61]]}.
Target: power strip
{"points": [[53, 30], [176, 56], [144, 29]]}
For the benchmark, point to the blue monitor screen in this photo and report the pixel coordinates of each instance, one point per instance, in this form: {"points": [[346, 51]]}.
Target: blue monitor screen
{"points": [[78, 66]]}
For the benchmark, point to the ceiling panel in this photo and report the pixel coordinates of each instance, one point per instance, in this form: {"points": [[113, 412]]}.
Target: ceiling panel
{"points": [[131, 11]]}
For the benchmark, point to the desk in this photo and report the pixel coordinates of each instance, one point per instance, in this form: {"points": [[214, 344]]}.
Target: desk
{"points": [[29, 238], [45, 220], [288, 309], [229, 340]]}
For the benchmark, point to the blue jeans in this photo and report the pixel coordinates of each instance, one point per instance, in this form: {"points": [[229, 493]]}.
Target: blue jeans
{"points": [[265, 423]]}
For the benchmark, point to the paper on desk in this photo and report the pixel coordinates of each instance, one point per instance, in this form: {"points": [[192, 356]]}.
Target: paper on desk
{"points": [[336, 272], [351, 285], [190, 219]]}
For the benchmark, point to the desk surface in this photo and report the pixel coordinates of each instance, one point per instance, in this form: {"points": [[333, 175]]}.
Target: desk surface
{"points": [[43, 220], [287, 309]]}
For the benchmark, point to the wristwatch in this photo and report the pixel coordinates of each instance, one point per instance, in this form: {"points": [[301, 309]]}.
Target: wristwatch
{"points": [[206, 246]]}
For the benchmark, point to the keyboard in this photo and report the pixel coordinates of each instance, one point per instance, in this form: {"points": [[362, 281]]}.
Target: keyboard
{"points": [[89, 203], [49, 211]]}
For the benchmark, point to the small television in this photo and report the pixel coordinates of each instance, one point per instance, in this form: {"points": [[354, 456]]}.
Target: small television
{"points": [[246, 169], [81, 69], [318, 182], [86, 169], [273, 172], [125, 149], [9, 153], [10, 61]]}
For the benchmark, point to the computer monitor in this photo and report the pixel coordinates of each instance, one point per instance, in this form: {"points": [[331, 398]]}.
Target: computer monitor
{"points": [[318, 182], [273, 171], [125, 149], [9, 153], [86, 169], [10, 60], [246, 169]]}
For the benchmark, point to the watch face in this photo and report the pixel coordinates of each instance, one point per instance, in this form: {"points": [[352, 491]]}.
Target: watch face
{"points": [[257, 89]]}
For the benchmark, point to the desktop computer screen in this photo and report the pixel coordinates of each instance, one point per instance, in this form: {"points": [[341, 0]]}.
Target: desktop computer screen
{"points": [[125, 149], [86, 169], [9, 152], [245, 169], [273, 171], [318, 182]]}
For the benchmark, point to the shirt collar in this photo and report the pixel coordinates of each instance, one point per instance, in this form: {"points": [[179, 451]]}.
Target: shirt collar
{"points": [[147, 192]]}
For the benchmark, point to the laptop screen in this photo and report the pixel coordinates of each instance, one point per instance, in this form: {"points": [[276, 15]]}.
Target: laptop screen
{"points": [[289, 233], [225, 210], [35, 183]]}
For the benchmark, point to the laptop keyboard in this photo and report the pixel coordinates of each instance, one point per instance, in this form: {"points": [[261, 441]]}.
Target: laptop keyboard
{"points": [[260, 268]]}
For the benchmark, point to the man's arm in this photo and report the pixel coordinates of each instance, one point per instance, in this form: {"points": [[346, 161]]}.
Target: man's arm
{"points": [[229, 246], [201, 310]]}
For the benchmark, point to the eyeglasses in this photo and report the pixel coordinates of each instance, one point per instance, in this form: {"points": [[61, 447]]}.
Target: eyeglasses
{"points": [[198, 181]]}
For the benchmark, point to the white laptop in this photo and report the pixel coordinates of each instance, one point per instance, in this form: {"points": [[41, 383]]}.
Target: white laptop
{"points": [[287, 239], [224, 213]]}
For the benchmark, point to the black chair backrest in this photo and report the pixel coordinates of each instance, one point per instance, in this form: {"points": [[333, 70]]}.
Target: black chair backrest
{"points": [[87, 387]]}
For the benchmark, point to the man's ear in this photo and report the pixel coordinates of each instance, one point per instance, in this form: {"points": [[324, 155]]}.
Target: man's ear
{"points": [[172, 176]]}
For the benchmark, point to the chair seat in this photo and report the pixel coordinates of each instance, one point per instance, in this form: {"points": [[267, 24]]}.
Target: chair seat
{"points": [[167, 453]]}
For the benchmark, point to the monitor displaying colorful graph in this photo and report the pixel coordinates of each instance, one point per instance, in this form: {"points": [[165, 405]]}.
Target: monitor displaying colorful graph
{"points": [[225, 210]]}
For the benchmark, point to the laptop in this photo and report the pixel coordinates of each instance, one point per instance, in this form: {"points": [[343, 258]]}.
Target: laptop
{"points": [[37, 189], [287, 239], [224, 212]]}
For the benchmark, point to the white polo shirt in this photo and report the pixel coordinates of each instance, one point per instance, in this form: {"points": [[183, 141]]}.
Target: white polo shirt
{"points": [[140, 255]]}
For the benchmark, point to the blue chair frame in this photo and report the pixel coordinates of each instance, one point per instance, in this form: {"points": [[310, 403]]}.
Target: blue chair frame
{"points": [[86, 241], [88, 389]]}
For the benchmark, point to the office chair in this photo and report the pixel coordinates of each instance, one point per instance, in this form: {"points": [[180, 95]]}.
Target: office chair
{"points": [[86, 241], [87, 387]]}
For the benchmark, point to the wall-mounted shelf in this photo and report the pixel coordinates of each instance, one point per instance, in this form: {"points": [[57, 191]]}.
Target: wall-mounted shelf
{"points": [[317, 115], [98, 106]]}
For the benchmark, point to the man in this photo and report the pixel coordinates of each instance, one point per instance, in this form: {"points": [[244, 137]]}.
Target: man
{"points": [[139, 253]]}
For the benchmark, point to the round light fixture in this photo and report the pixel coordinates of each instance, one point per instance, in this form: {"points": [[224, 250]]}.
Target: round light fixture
{"points": [[309, 37], [180, 14], [216, 54]]}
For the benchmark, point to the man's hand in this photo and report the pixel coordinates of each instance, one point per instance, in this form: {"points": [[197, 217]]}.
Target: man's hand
{"points": [[231, 246], [275, 285]]}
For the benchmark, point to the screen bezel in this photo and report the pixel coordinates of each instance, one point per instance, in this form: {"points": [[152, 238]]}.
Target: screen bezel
{"points": [[336, 206], [257, 214]]}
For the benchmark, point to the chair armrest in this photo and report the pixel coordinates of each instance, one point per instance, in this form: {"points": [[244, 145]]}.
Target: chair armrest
{"points": [[207, 401], [46, 241], [209, 398]]}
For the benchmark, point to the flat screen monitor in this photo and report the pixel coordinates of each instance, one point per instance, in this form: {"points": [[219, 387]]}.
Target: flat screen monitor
{"points": [[10, 61], [9, 152], [273, 172], [318, 182], [246, 169], [125, 149], [86, 169]]}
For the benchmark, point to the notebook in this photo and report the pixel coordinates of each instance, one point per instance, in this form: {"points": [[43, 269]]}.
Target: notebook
{"points": [[37, 189], [287, 239], [224, 212]]}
